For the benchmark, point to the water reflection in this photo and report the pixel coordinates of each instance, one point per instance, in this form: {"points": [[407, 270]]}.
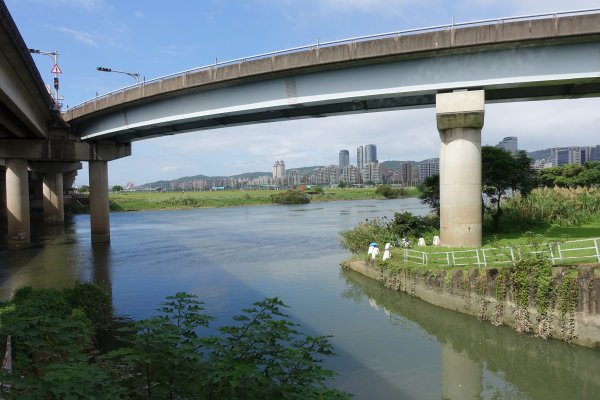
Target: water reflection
{"points": [[479, 361]]}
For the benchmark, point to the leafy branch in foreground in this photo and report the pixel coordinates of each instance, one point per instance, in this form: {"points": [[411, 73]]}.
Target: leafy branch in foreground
{"points": [[262, 355]]}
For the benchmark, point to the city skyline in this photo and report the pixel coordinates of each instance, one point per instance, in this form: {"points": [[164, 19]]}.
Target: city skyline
{"points": [[153, 40]]}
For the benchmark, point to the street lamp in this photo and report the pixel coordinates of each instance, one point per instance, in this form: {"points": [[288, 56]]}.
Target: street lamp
{"points": [[134, 75], [55, 70]]}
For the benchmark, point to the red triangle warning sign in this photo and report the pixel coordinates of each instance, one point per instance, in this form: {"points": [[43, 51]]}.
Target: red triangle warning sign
{"points": [[56, 69]]}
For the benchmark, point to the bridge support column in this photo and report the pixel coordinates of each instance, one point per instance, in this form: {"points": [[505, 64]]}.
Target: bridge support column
{"points": [[17, 203], [99, 211], [53, 198], [459, 120]]}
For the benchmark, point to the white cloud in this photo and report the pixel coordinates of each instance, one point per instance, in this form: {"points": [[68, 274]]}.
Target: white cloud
{"points": [[168, 168], [80, 36], [139, 14]]}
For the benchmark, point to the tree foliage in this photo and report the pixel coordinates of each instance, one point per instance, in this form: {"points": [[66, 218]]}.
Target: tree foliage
{"points": [[430, 192], [117, 188], [571, 176], [262, 354], [290, 197], [388, 192], [503, 173]]}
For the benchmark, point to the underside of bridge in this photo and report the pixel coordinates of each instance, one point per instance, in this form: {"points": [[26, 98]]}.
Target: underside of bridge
{"points": [[39, 156]]}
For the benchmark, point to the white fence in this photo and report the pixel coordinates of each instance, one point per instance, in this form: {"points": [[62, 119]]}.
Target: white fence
{"points": [[584, 250]]}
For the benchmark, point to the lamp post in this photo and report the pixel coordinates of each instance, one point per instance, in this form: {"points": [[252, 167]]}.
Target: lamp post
{"points": [[134, 75], [55, 70]]}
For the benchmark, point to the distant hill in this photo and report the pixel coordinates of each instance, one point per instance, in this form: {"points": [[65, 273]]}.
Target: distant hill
{"points": [[539, 154], [395, 165]]}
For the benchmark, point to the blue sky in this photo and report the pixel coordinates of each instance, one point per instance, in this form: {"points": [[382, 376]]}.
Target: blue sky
{"points": [[156, 38]]}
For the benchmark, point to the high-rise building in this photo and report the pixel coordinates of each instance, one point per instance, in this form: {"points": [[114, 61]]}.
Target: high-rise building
{"points": [[279, 169], [567, 155], [509, 143], [594, 153], [370, 155], [350, 175], [366, 154], [294, 177], [371, 172], [406, 173], [344, 159], [360, 160], [428, 167]]}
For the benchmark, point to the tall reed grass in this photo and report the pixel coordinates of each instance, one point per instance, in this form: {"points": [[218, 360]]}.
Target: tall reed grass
{"points": [[551, 206]]}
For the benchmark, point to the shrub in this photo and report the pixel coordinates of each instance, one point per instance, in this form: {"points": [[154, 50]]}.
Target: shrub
{"points": [[358, 238], [290, 197], [388, 192]]}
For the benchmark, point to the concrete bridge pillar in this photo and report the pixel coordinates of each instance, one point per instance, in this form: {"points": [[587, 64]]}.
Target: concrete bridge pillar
{"points": [[53, 198], [459, 120], [99, 218], [17, 203]]}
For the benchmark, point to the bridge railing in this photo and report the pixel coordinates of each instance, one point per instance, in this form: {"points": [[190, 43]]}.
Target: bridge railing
{"points": [[319, 44], [582, 250]]}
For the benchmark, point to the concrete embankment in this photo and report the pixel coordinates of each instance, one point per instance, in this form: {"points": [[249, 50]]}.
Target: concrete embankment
{"points": [[565, 306]]}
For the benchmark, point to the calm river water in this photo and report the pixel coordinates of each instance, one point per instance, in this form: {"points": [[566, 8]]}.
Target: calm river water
{"points": [[389, 345]]}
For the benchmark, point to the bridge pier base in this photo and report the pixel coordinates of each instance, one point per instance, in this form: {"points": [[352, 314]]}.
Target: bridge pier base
{"points": [[459, 121], [99, 210], [54, 212], [17, 203]]}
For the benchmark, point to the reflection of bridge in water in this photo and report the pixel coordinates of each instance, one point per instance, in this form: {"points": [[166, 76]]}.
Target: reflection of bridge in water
{"points": [[473, 350], [455, 68]]}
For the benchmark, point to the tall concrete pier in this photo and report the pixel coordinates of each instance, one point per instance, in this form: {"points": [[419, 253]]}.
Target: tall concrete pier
{"points": [[459, 121], [17, 203], [99, 210]]}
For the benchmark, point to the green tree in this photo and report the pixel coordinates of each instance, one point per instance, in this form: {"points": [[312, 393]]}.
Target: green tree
{"points": [[117, 188], [571, 175], [503, 174], [430, 192], [388, 192], [84, 189]]}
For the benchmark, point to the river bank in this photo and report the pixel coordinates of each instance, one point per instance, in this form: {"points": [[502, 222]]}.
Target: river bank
{"points": [[564, 306], [144, 201]]}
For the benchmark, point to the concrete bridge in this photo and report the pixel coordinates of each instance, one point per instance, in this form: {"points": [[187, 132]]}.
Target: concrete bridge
{"points": [[36, 144], [456, 68]]}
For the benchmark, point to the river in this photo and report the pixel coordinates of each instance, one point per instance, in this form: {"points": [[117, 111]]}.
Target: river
{"points": [[389, 345]]}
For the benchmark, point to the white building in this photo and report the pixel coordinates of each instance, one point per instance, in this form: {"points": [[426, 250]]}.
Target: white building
{"points": [[279, 170]]}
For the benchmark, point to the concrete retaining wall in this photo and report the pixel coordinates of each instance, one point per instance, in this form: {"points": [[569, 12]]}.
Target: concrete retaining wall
{"points": [[473, 292]]}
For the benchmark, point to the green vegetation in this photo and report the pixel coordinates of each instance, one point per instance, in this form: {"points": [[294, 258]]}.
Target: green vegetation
{"points": [[403, 225], [430, 192], [503, 173], [388, 192], [261, 355], [571, 176], [290, 197], [142, 201]]}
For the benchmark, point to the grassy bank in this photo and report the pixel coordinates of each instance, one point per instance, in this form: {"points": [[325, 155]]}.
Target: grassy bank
{"points": [[140, 201]]}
